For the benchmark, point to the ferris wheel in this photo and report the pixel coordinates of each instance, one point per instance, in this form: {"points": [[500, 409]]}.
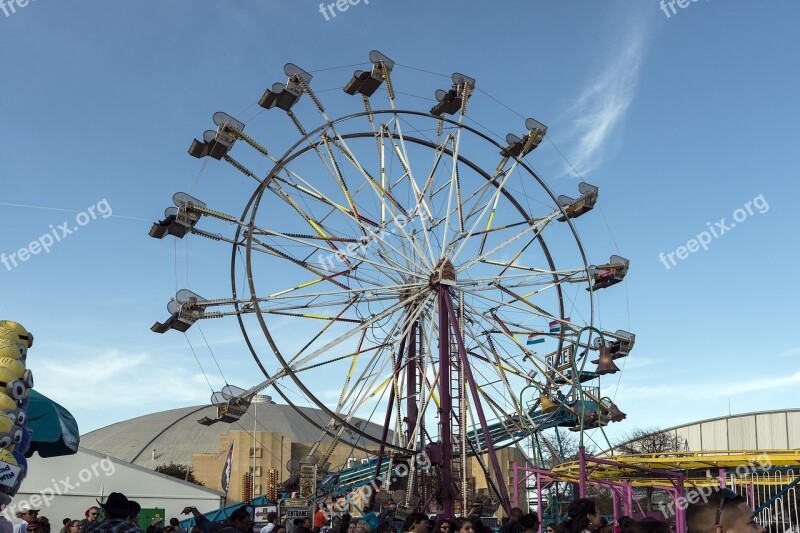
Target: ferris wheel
{"points": [[405, 267]]}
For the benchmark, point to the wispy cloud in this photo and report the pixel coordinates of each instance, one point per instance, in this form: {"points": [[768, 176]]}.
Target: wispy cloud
{"points": [[603, 103], [119, 381], [790, 353], [701, 390]]}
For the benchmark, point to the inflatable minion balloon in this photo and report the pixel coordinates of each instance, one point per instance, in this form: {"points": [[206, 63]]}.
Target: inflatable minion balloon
{"points": [[15, 382]]}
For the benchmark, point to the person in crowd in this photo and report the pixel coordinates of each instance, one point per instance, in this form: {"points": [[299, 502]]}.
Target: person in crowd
{"points": [[624, 523], [343, 525], [461, 524], [351, 527], [582, 516], [280, 528], [416, 523], [723, 511], [512, 526], [444, 525], [550, 528], [35, 527], [29, 515], [116, 509], [648, 525], [239, 521], [65, 523], [174, 526], [156, 525], [44, 523], [320, 517], [5, 524], [272, 517], [529, 522], [74, 526], [385, 527], [362, 526], [605, 526], [133, 513], [91, 516]]}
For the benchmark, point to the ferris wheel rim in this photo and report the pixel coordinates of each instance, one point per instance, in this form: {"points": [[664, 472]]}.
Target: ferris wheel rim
{"points": [[296, 151]]}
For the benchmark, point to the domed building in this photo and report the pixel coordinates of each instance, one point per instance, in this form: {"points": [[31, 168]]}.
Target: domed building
{"points": [[266, 439]]}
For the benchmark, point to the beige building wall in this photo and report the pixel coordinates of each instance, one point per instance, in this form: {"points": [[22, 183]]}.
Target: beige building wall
{"points": [[506, 457], [257, 455]]}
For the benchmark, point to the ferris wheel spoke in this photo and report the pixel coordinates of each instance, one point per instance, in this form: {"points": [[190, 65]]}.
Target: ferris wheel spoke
{"points": [[536, 229], [380, 189], [370, 237], [402, 156], [365, 294], [366, 324], [345, 255], [492, 320], [340, 180], [311, 194], [540, 363], [497, 304], [407, 322], [315, 225]]}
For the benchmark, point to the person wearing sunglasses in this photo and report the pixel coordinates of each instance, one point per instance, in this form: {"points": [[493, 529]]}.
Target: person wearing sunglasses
{"points": [[443, 526], [724, 511], [92, 515]]}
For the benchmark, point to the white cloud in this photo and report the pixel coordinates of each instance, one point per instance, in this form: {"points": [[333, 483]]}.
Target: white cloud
{"points": [[719, 389], [116, 380], [603, 103], [791, 352]]}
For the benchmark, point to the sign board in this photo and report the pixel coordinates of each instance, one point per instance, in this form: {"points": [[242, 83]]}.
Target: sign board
{"points": [[290, 514], [308, 480], [8, 474], [295, 502], [260, 512], [293, 513]]}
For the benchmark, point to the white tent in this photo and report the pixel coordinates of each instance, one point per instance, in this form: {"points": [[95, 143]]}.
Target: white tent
{"points": [[66, 486]]}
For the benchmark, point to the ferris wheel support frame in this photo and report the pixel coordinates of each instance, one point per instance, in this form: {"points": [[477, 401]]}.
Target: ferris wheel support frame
{"points": [[452, 321]]}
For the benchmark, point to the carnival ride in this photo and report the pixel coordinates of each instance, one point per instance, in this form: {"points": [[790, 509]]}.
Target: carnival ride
{"points": [[766, 479], [420, 265]]}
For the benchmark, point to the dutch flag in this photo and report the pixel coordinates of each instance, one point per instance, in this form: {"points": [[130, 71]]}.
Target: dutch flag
{"points": [[555, 325], [535, 338]]}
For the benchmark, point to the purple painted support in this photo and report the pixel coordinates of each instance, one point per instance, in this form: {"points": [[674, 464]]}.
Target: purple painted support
{"points": [[680, 512], [515, 490], [385, 433], [722, 478], [628, 498], [411, 384], [445, 496], [751, 492], [476, 401], [538, 498], [582, 464]]}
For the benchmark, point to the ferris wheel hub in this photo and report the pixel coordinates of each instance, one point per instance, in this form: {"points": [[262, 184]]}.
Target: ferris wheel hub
{"points": [[444, 273]]}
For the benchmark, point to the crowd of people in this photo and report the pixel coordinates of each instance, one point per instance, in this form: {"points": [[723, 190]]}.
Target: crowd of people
{"points": [[723, 511], [120, 515]]}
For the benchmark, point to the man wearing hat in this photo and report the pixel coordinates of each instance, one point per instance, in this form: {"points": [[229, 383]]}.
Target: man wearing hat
{"points": [[117, 509], [156, 525], [28, 514]]}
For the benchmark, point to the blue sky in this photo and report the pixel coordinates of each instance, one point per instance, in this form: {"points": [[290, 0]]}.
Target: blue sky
{"points": [[679, 120]]}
